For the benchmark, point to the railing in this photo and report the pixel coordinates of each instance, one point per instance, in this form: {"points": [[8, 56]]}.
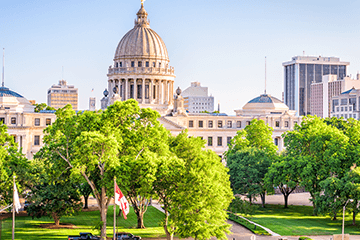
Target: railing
{"points": [[144, 70]]}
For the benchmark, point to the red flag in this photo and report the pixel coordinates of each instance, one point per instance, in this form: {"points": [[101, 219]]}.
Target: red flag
{"points": [[121, 201]]}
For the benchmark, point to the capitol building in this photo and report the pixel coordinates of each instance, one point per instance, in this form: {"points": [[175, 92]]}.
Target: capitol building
{"points": [[141, 70]]}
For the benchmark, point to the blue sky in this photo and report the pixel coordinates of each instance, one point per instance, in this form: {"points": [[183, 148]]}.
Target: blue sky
{"points": [[221, 44]]}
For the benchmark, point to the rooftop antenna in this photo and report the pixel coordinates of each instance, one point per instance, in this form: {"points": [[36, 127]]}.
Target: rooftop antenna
{"points": [[3, 70], [265, 74]]}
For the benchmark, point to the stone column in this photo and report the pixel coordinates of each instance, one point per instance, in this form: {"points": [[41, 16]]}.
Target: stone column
{"points": [[143, 91], [171, 92], [160, 92], [151, 88], [135, 89], [166, 92], [126, 89]]}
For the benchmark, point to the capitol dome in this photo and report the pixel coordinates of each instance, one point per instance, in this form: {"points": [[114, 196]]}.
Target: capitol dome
{"points": [[264, 104], [14, 102], [141, 69], [141, 41]]}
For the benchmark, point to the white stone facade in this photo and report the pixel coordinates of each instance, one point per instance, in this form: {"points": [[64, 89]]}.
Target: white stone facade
{"points": [[25, 125]]}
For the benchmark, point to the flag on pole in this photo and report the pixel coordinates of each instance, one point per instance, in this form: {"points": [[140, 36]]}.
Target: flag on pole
{"points": [[121, 201], [17, 204]]}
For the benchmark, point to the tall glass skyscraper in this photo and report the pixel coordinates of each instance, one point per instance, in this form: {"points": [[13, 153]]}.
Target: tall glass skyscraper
{"points": [[300, 72]]}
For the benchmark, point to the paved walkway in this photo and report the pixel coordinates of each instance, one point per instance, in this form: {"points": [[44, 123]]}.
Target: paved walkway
{"points": [[241, 233]]}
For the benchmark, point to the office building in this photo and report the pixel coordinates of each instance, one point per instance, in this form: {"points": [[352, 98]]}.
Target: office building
{"points": [[322, 92], [197, 99], [346, 104], [62, 94], [301, 72]]}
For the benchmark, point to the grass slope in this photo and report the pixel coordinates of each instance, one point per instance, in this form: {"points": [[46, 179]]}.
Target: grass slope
{"points": [[28, 228], [298, 220]]}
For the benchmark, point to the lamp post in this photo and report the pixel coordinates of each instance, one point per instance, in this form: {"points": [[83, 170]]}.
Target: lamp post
{"points": [[343, 220]]}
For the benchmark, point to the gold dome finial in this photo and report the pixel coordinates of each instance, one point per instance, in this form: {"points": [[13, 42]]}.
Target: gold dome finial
{"points": [[142, 2]]}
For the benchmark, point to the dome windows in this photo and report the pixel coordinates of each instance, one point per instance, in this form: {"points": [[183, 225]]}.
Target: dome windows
{"points": [[132, 63], [147, 64], [139, 63]]}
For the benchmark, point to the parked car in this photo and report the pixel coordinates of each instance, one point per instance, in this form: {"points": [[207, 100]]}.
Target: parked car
{"points": [[126, 236], [87, 236]]}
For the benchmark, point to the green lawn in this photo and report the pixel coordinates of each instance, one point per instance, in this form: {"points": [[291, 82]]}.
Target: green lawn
{"points": [[28, 228], [298, 220]]}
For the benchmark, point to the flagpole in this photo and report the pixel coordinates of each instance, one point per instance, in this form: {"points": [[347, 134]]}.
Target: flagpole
{"points": [[13, 220], [114, 230]]}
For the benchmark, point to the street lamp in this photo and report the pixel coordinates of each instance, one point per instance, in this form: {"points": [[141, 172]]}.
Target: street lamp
{"points": [[343, 222]]}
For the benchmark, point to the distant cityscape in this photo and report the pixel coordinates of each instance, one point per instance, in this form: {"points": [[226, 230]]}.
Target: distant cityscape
{"points": [[141, 71]]}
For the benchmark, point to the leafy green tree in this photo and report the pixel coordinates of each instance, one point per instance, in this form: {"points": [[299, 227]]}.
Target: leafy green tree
{"points": [[284, 173], [250, 154], [93, 144], [12, 162], [85, 191], [54, 199], [42, 106], [247, 169], [322, 146], [194, 188], [239, 205]]}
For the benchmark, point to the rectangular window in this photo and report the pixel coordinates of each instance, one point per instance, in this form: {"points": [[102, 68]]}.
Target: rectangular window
{"points": [[247, 123], [154, 92], [13, 120], [238, 124], [37, 140], [132, 64], [345, 108], [345, 116], [220, 125], [210, 141], [139, 91], [277, 124], [131, 91], [342, 108], [48, 121], [153, 64], [350, 108], [147, 64], [201, 124], [37, 121], [337, 109], [354, 116], [210, 124], [344, 101], [191, 123], [139, 64], [219, 141], [229, 124], [276, 141], [120, 64], [147, 91], [228, 140], [286, 124]]}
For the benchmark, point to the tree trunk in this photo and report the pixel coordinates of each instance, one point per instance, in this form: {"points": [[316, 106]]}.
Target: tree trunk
{"points": [[313, 202], [169, 236], [140, 218], [56, 219], [86, 197], [103, 212], [262, 195], [250, 200], [286, 196], [334, 217], [354, 218]]}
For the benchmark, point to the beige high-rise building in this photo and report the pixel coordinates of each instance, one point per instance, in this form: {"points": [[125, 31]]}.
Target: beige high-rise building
{"points": [[60, 95], [322, 92]]}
